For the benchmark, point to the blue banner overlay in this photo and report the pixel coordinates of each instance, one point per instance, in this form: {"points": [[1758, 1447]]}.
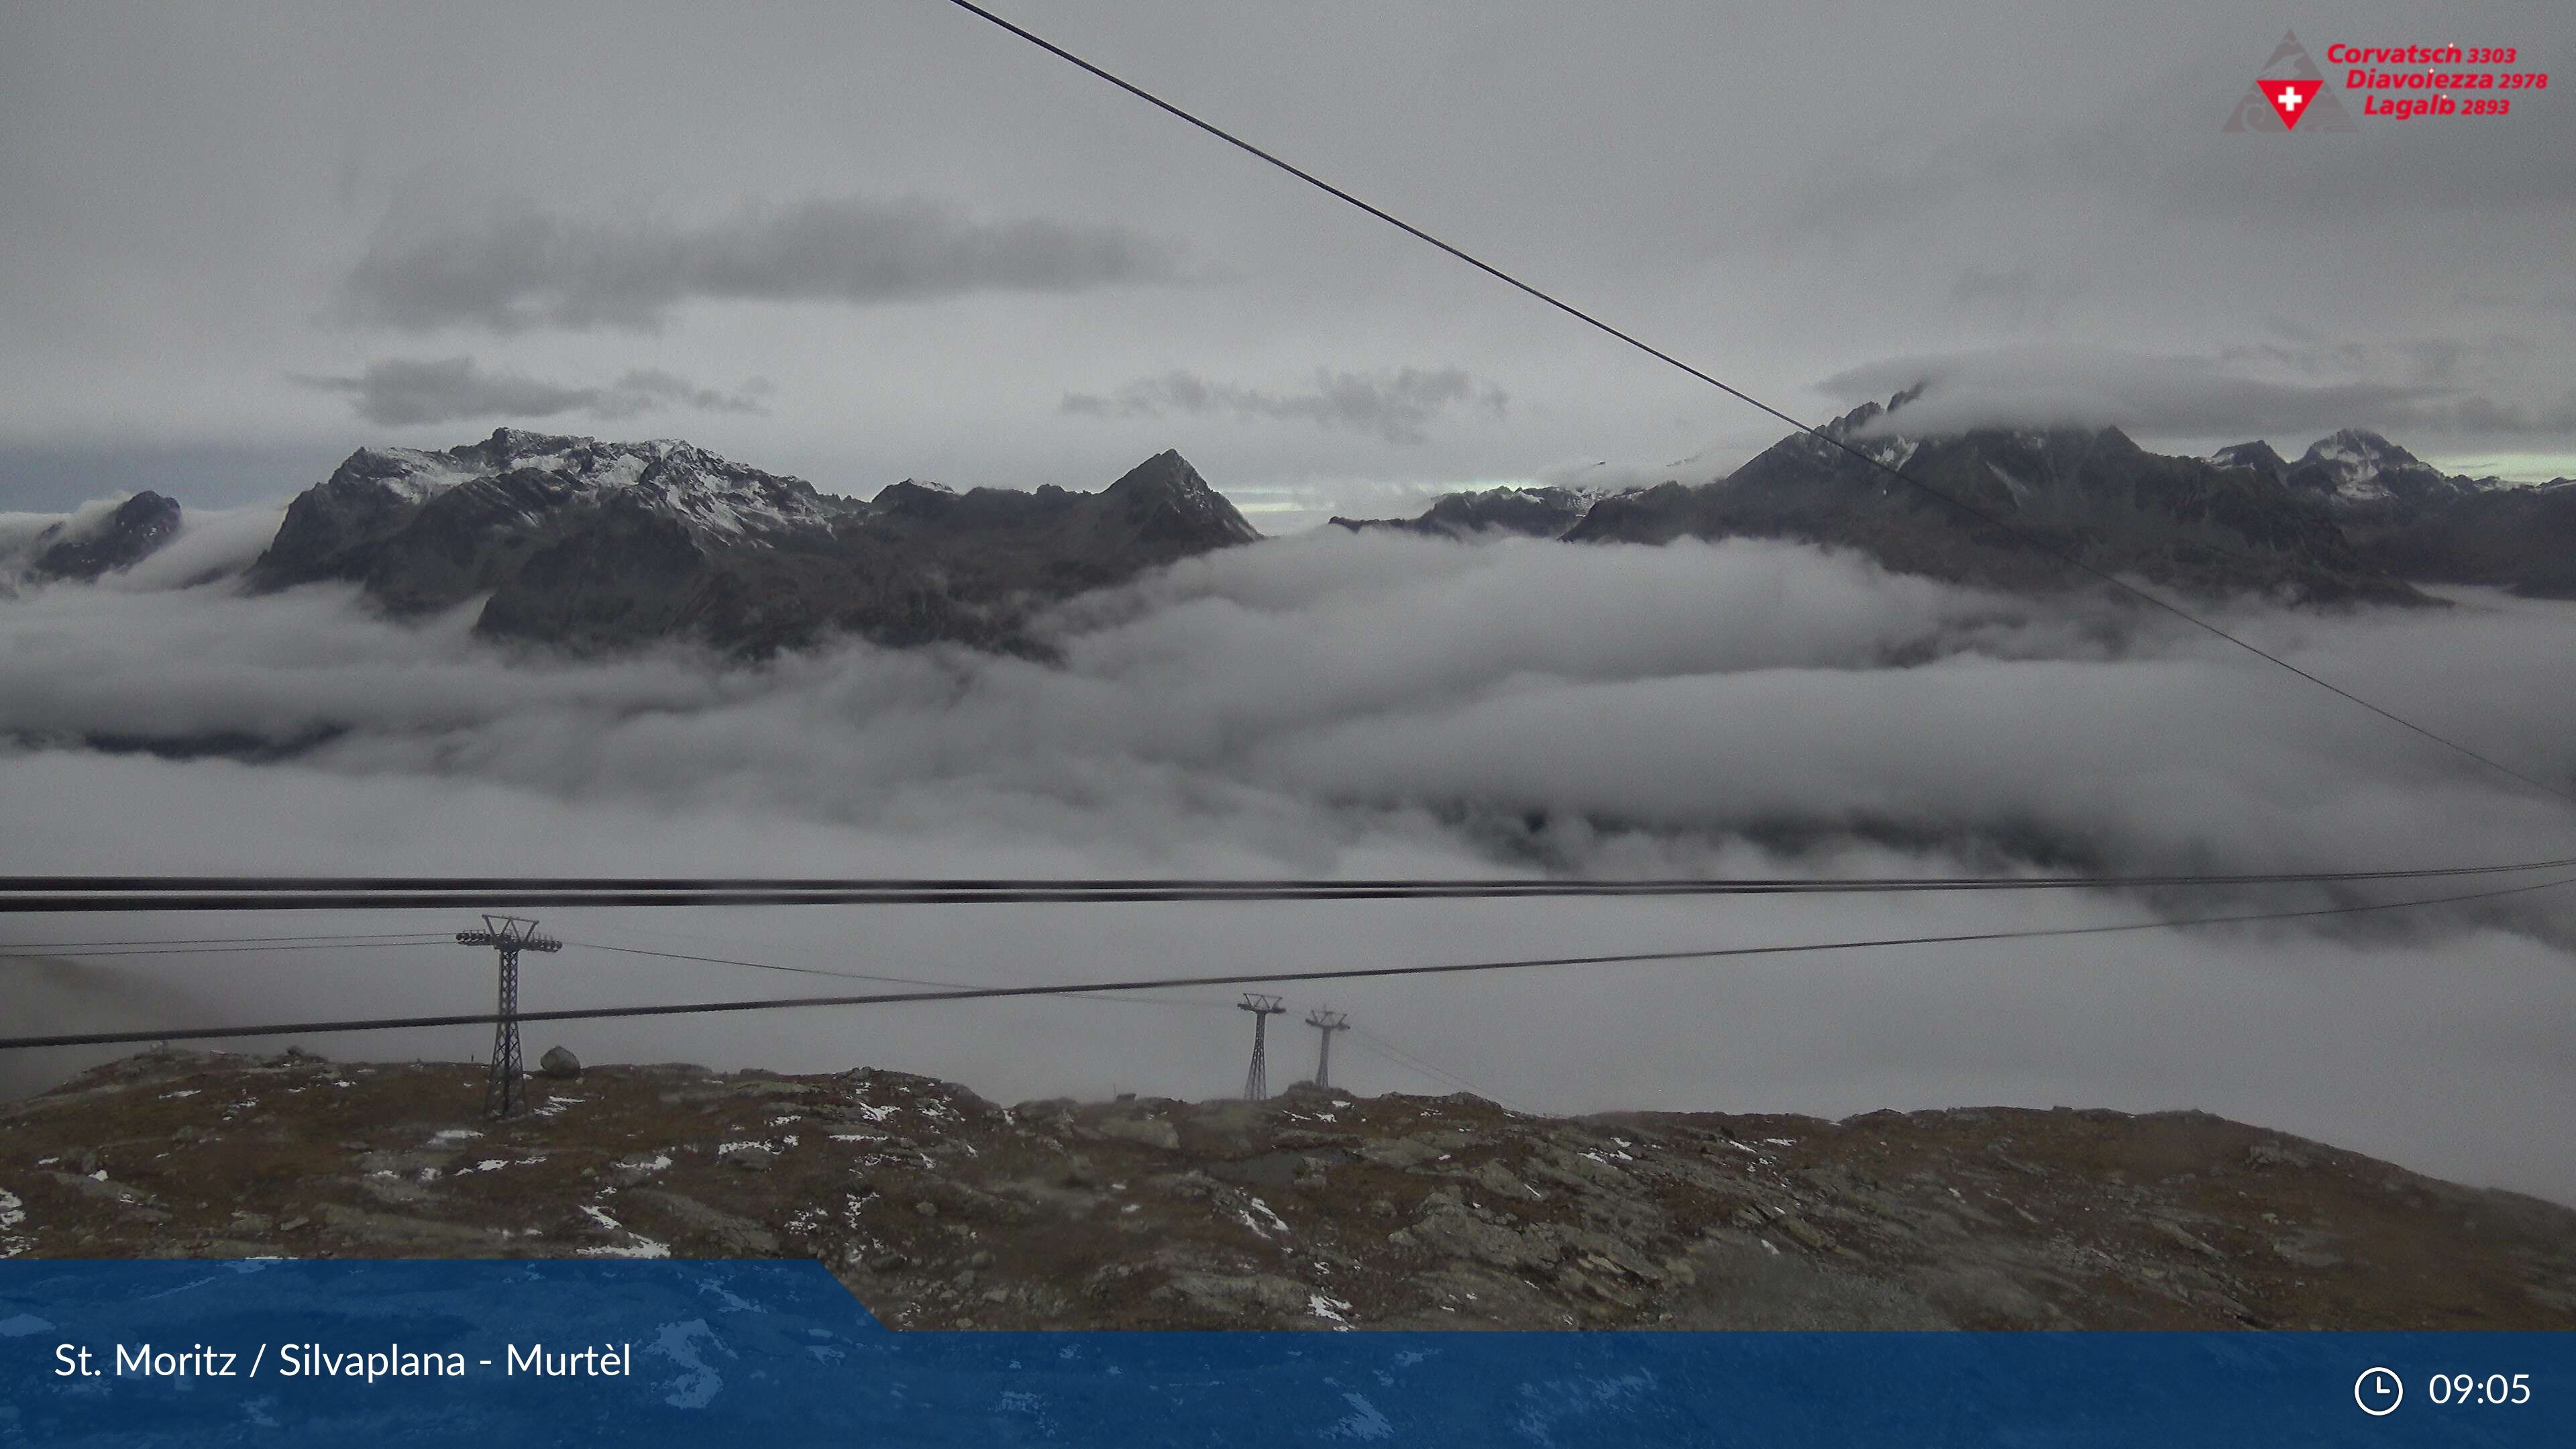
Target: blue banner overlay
{"points": [[638, 1354]]}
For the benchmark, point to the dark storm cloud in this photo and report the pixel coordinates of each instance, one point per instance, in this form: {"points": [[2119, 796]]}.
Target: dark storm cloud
{"points": [[401, 392], [2215, 396], [521, 266], [1398, 406]]}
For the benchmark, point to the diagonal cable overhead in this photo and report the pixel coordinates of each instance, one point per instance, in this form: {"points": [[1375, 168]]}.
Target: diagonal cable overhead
{"points": [[1958, 504]]}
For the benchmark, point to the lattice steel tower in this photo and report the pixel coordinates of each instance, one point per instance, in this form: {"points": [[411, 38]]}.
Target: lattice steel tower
{"points": [[1326, 1022], [1256, 1083], [507, 935]]}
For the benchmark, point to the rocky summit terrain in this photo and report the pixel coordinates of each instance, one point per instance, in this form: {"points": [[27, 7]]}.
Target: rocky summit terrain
{"points": [[2354, 519], [1315, 1209], [91, 543], [590, 546], [2412, 520], [600, 546], [2086, 493], [1544, 511]]}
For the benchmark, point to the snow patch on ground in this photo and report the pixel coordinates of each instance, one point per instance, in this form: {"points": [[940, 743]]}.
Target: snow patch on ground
{"points": [[637, 1246]]}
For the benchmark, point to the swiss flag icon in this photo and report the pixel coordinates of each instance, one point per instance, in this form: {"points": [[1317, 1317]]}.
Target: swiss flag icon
{"points": [[2290, 98]]}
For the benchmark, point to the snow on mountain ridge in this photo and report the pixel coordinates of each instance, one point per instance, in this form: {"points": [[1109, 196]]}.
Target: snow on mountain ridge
{"points": [[2356, 458], [586, 545], [701, 489]]}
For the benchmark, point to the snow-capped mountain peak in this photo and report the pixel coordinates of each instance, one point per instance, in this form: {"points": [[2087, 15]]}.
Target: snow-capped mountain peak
{"points": [[2357, 457], [602, 544], [2257, 455], [2357, 467]]}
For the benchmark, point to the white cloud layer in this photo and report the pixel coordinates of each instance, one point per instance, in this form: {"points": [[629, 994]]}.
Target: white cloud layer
{"points": [[1392, 706]]}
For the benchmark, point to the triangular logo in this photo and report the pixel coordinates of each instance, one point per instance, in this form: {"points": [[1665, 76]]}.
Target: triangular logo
{"points": [[2290, 98], [2289, 94]]}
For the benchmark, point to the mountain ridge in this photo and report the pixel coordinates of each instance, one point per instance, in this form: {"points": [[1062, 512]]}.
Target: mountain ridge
{"points": [[1540, 510], [2355, 519], [593, 546], [1314, 1209], [2083, 494], [2412, 519], [93, 541], [600, 546]]}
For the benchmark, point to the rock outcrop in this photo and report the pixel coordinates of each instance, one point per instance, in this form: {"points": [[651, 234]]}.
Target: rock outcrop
{"points": [[84, 548], [1315, 1209], [597, 546], [2410, 519], [2084, 494], [1535, 512], [2355, 518]]}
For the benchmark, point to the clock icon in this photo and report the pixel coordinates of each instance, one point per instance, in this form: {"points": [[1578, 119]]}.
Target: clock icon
{"points": [[2378, 1392]]}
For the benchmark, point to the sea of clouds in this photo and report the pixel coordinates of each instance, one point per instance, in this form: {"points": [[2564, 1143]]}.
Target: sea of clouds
{"points": [[1332, 704]]}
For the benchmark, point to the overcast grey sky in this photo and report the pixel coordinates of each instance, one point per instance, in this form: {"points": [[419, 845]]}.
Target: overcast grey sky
{"points": [[867, 240]]}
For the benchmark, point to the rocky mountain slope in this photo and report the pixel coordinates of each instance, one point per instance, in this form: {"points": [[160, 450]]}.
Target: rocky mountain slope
{"points": [[2355, 470], [1316, 1209], [2408, 518], [88, 545], [601, 546], [2355, 518], [2091, 494], [1535, 512], [597, 546]]}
